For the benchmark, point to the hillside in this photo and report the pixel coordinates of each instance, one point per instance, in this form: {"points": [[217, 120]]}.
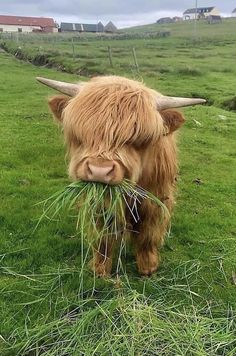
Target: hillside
{"points": [[187, 29]]}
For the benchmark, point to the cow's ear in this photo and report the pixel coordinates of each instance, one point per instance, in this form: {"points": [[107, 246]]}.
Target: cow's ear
{"points": [[57, 104], [173, 120]]}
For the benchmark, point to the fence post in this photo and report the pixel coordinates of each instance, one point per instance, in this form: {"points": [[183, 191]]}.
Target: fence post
{"points": [[110, 56], [135, 59], [73, 48]]}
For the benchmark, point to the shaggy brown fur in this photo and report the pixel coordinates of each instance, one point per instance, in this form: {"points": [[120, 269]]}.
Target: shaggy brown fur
{"points": [[114, 119]]}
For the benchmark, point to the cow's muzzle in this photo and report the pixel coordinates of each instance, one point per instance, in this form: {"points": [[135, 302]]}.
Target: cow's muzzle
{"points": [[104, 171]]}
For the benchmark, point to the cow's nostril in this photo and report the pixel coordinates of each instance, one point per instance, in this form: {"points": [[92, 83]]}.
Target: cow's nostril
{"points": [[89, 171], [100, 174]]}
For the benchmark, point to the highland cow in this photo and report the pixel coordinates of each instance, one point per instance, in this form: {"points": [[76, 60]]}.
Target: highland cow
{"points": [[116, 129]]}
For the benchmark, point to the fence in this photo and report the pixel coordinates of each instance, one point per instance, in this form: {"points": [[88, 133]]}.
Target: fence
{"points": [[79, 37]]}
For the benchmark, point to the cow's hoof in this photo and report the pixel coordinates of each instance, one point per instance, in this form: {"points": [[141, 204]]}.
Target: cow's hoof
{"points": [[147, 262], [148, 272], [101, 270]]}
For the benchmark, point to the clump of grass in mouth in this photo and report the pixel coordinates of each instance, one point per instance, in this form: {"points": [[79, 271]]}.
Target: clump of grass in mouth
{"points": [[99, 208]]}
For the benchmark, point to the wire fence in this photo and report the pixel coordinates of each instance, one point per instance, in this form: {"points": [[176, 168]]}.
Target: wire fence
{"points": [[80, 37]]}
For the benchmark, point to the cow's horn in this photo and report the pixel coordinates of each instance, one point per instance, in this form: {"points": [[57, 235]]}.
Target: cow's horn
{"points": [[63, 87], [168, 102]]}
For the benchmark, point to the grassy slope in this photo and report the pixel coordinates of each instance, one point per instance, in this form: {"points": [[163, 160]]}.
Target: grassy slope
{"points": [[195, 67], [199, 255], [187, 28]]}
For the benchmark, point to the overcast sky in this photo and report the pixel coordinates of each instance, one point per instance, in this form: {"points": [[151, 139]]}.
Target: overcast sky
{"points": [[123, 13]]}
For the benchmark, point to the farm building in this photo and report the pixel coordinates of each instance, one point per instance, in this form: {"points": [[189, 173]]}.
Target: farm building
{"points": [[177, 19], [27, 24], [213, 19], [81, 27], [234, 13], [110, 27], [164, 20], [200, 13]]}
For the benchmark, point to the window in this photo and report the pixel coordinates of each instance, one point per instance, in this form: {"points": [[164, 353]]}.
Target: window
{"points": [[19, 29]]}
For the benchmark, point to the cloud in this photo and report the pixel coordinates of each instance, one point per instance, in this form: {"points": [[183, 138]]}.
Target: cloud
{"points": [[122, 12]]}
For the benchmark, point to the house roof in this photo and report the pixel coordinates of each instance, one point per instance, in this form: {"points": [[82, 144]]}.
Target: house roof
{"points": [[110, 27], [199, 10], [27, 21], [66, 26], [234, 11], [165, 20]]}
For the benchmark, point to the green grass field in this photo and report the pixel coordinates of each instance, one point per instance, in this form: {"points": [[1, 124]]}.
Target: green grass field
{"points": [[197, 62], [48, 305]]}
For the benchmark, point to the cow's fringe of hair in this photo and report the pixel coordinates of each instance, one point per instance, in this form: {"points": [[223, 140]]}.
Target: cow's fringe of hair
{"points": [[107, 116]]}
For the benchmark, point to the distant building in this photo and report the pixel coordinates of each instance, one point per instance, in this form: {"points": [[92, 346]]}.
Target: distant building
{"points": [[214, 19], [81, 27], [164, 20], [110, 27], [177, 19], [200, 13], [234, 13], [27, 24]]}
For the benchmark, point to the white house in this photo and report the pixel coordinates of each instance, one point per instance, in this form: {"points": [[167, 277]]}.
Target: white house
{"points": [[27, 24], [234, 13], [200, 13]]}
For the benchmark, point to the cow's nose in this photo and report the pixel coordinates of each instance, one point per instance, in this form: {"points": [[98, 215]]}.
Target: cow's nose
{"points": [[100, 174]]}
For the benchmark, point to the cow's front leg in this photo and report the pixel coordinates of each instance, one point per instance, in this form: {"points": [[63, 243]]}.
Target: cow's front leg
{"points": [[101, 263], [148, 259], [149, 238]]}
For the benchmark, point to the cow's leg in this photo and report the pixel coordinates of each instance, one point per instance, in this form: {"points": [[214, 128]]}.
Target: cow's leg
{"points": [[102, 257], [147, 254], [149, 238]]}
